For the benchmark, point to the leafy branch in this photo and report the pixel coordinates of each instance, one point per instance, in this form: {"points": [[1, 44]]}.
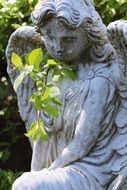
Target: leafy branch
{"points": [[38, 67]]}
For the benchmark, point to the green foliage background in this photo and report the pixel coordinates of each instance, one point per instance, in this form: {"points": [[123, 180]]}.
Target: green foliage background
{"points": [[7, 178], [14, 14], [111, 10]]}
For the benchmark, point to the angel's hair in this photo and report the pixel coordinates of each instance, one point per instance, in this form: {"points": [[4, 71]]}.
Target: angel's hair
{"points": [[76, 13]]}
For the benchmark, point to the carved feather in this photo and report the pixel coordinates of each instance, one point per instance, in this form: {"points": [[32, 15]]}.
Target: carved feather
{"points": [[117, 33]]}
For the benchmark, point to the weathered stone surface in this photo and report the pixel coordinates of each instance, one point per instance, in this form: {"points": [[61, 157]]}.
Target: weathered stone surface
{"points": [[88, 141]]}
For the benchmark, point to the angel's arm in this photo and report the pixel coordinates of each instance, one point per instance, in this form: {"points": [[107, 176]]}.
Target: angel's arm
{"points": [[89, 124]]}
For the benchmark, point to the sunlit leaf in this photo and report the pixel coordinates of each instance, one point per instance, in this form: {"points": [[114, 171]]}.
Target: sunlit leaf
{"points": [[19, 80], [36, 134], [40, 75], [31, 98], [46, 94], [16, 60], [35, 58], [34, 76], [51, 62], [34, 131], [56, 101], [29, 68], [43, 135], [54, 91], [37, 130], [37, 103], [39, 83], [55, 78], [42, 131], [31, 130], [27, 59], [51, 110]]}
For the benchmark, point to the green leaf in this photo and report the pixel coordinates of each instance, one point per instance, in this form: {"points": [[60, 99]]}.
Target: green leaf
{"points": [[36, 134], [51, 62], [56, 101], [55, 78], [36, 131], [42, 132], [44, 73], [46, 66], [32, 97], [54, 92], [1, 155], [71, 74], [4, 154], [16, 60], [46, 94], [51, 110], [37, 103], [27, 59], [29, 68], [38, 98], [35, 58], [19, 80], [39, 83], [34, 76], [49, 84], [31, 130]]}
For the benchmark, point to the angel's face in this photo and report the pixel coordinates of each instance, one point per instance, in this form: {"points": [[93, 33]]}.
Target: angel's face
{"points": [[61, 42]]}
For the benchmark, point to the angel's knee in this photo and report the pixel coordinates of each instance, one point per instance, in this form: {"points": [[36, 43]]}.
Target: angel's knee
{"points": [[22, 183]]}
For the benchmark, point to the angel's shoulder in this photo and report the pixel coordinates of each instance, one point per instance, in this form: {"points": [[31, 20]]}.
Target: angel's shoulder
{"points": [[106, 76]]}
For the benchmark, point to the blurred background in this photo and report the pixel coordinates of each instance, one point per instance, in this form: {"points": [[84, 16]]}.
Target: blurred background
{"points": [[15, 150]]}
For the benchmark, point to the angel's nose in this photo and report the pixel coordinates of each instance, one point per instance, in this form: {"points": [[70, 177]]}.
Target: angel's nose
{"points": [[59, 47]]}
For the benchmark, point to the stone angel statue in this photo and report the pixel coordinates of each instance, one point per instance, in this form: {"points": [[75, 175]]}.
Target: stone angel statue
{"points": [[87, 149]]}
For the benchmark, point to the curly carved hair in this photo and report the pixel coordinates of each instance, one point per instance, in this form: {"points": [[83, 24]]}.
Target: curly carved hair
{"points": [[76, 13]]}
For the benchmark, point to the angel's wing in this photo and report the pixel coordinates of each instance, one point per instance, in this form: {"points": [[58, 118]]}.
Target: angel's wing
{"points": [[22, 41], [117, 33]]}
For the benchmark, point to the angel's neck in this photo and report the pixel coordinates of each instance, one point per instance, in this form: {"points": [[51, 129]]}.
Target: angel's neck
{"points": [[95, 54]]}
